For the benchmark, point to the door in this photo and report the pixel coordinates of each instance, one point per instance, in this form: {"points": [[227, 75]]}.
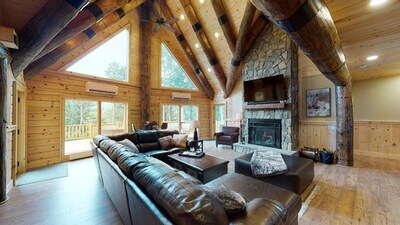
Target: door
{"points": [[113, 118], [219, 117]]}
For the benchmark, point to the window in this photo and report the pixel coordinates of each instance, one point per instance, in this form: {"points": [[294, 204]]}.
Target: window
{"points": [[179, 117], [82, 122], [110, 60], [172, 74]]}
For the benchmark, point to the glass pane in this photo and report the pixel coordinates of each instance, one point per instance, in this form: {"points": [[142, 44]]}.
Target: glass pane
{"points": [[188, 114], [113, 119], [219, 117], [80, 125], [110, 60], [172, 74], [170, 115]]}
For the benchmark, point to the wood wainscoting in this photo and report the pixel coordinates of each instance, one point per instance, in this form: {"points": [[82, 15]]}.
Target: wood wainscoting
{"points": [[374, 138]]}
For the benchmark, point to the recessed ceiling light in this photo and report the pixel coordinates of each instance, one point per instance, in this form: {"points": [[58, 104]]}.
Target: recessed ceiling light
{"points": [[209, 69], [182, 17], [201, 1], [372, 57], [197, 45], [216, 34], [376, 2]]}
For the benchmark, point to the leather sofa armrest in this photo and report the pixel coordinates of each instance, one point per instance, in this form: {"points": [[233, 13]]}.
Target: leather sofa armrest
{"points": [[261, 211], [218, 134], [234, 134]]}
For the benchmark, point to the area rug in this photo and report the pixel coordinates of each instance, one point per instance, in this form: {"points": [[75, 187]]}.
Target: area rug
{"points": [[306, 203], [43, 174]]}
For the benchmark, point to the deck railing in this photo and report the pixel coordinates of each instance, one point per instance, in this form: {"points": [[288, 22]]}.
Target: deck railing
{"points": [[87, 131]]}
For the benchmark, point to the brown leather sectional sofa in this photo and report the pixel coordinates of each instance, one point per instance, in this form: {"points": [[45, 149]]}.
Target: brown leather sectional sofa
{"points": [[145, 190]]}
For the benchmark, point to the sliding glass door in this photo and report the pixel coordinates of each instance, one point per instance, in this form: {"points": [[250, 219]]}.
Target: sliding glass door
{"points": [[179, 117], [84, 119]]}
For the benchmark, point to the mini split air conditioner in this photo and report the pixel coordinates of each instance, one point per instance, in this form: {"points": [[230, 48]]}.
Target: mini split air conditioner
{"points": [[99, 88], [181, 96]]}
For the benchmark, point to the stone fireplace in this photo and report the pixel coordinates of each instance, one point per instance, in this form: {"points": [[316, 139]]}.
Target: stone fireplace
{"points": [[273, 53], [265, 132]]}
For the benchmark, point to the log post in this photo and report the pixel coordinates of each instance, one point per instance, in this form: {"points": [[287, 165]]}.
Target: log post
{"points": [[145, 32], [309, 24], [39, 31], [86, 18], [205, 44], [344, 127], [4, 61], [226, 25], [80, 39], [240, 44], [188, 52]]}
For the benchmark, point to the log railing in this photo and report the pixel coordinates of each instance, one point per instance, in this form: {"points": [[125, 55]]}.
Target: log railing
{"points": [[87, 131]]}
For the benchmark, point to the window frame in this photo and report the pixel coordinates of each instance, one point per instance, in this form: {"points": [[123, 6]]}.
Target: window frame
{"points": [[180, 105]]}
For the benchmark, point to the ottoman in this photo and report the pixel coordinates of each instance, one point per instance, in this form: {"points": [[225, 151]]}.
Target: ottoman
{"points": [[299, 176]]}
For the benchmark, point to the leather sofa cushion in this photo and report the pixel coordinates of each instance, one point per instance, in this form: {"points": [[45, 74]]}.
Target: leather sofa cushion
{"points": [[127, 161], [251, 188], [132, 136], [99, 138], [116, 149], [164, 133], [225, 138], [106, 144], [148, 136], [145, 147], [183, 201]]}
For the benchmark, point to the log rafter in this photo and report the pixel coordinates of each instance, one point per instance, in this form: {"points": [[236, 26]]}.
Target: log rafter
{"points": [[225, 24], [310, 25], [41, 29], [85, 19], [205, 44], [240, 45], [80, 39], [188, 52]]}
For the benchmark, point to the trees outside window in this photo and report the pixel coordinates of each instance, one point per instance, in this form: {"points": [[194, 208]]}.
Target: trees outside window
{"points": [[179, 116], [109, 60], [172, 74]]}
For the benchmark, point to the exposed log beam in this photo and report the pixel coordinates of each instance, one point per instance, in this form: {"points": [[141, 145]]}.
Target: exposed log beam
{"points": [[226, 25], [240, 46], [80, 39], [145, 32], [310, 25], [85, 19], [205, 44], [41, 29], [4, 104], [188, 52]]}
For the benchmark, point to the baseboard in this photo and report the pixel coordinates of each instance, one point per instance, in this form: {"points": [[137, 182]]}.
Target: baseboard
{"points": [[308, 191]]}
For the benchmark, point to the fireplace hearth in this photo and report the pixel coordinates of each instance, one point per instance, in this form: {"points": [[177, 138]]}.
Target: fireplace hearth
{"points": [[265, 132]]}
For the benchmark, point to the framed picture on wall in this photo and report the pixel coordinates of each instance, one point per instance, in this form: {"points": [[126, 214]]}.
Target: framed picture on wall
{"points": [[319, 102]]}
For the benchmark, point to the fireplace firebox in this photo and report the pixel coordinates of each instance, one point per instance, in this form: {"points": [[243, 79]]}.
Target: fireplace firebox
{"points": [[266, 132]]}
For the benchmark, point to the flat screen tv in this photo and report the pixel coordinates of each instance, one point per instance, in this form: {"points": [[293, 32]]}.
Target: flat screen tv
{"points": [[265, 90]]}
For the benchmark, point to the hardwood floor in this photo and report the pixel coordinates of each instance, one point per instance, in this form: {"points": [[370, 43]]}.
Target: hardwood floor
{"points": [[367, 193]]}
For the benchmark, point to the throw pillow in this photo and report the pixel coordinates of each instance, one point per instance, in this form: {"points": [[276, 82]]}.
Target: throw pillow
{"points": [[166, 142], [232, 201], [180, 140], [130, 145], [267, 163]]}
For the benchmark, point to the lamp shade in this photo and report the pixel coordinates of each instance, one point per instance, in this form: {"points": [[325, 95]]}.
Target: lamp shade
{"points": [[195, 124]]}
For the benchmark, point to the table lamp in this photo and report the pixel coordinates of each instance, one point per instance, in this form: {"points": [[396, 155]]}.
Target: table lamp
{"points": [[195, 124]]}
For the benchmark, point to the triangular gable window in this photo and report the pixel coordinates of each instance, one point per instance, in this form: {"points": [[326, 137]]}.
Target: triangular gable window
{"points": [[172, 74], [110, 60]]}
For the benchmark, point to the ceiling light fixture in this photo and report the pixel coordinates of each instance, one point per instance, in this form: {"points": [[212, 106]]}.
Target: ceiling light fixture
{"points": [[216, 34], [376, 2], [209, 69], [197, 45], [372, 57], [201, 1], [182, 17]]}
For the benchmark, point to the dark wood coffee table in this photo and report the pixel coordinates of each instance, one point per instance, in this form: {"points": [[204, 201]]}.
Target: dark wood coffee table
{"points": [[205, 169]]}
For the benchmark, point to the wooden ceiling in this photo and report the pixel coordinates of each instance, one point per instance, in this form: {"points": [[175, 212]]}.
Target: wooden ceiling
{"points": [[364, 31]]}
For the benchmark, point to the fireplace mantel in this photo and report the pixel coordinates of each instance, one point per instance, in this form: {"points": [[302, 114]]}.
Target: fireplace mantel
{"points": [[280, 105]]}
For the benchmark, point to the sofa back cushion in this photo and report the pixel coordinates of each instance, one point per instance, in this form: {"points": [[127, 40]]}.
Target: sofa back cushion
{"points": [[128, 160], [164, 133], [117, 149], [132, 136], [145, 147], [230, 130], [148, 136], [182, 200], [99, 138], [106, 144]]}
